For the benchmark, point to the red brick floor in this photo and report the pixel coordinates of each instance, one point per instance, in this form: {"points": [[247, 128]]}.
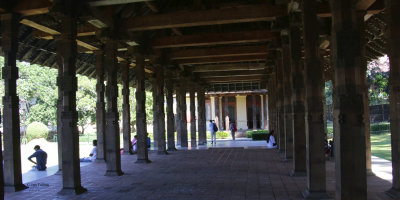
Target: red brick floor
{"points": [[224, 173]]}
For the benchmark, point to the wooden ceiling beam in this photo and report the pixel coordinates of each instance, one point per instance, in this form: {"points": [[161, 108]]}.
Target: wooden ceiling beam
{"points": [[325, 11], [230, 73], [32, 7], [364, 4], [86, 30], [227, 59], [189, 18], [229, 67], [218, 52], [114, 2], [215, 39], [235, 79]]}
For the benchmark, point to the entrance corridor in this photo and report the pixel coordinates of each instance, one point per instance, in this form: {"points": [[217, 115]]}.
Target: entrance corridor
{"points": [[234, 173]]}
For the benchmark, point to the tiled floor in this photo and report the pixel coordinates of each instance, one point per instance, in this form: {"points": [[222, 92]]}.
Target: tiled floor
{"points": [[216, 173]]}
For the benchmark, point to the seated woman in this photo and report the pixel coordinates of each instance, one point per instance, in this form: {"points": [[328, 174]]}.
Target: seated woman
{"points": [[271, 140]]}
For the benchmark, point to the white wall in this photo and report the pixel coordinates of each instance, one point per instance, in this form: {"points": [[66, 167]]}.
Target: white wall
{"points": [[241, 113]]}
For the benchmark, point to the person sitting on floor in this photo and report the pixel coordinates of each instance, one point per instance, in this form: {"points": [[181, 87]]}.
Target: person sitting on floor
{"points": [[134, 143], [41, 158], [92, 155], [271, 140]]}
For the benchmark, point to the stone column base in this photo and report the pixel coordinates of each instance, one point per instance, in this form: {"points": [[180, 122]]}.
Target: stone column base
{"points": [[393, 193], [15, 188], [72, 191], [370, 173], [298, 173], [114, 173], [143, 161], [162, 153], [172, 149], [316, 195]]}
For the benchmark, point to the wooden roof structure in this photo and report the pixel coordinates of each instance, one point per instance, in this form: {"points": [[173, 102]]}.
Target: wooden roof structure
{"points": [[216, 42]]}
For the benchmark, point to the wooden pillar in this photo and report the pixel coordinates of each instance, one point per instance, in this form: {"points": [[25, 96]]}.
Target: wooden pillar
{"points": [[158, 91], [126, 114], [280, 108], [272, 103], [216, 103], [113, 155], [170, 111], [70, 140], [201, 111], [155, 111], [316, 175], [182, 115], [393, 21], [100, 108], [12, 149], [142, 152], [287, 101], [193, 130], [1, 166], [178, 114], [254, 109], [350, 143], [59, 109], [226, 113], [298, 100]]}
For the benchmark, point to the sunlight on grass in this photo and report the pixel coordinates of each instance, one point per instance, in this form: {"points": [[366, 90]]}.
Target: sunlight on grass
{"points": [[380, 145]]}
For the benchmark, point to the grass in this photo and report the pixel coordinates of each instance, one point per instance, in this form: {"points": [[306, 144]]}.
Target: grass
{"points": [[380, 145]]}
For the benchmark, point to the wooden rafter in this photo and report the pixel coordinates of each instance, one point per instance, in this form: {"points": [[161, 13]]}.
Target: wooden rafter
{"points": [[230, 73], [227, 59], [236, 79], [229, 67], [219, 52], [33, 7], [185, 18], [215, 39]]}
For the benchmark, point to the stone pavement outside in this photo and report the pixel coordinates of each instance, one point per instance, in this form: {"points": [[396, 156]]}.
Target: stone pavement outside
{"points": [[218, 173]]}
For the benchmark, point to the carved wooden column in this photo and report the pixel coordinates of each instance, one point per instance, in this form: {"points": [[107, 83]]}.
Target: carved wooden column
{"points": [[70, 140], [254, 109], [100, 108], [316, 177], [112, 117], [155, 112], [169, 86], [350, 143], [12, 150], [272, 103], [280, 107], [126, 114], [178, 114], [201, 110], [142, 152], [226, 112], [193, 130], [265, 111], [59, 108], [158, 91], [182, 113], [1, 166], [287, 100], [393, 21], [298, 99]]}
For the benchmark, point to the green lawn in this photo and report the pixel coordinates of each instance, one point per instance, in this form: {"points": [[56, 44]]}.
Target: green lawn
{"points": [[380, 145]]}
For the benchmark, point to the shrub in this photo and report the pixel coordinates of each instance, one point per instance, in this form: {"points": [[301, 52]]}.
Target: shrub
{"points": [[257, 135], [222, 134], [36, 130], [379, 127]]}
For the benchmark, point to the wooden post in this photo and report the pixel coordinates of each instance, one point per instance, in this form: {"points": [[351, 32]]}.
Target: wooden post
{"points": [[12, 149], [201, 110], [298, 100], [265, 111], [126, 114], [112, 117], [316, 175], [100, 108], [193, 130], [170, 111], [393, 21], [287, 101], [1, 166], [59, 109], [159, 111], [280, 108], [350, 143], [142, 151], [182, 115], [70, 140], [226, 112], [217, 114]]}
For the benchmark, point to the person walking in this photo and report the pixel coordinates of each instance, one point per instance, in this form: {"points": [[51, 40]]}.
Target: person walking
{"points": [[232, 127], [213, 129]]}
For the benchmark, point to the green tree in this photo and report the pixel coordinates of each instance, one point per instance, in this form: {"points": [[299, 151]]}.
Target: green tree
{"points": [[377, 80], [86, 102]]}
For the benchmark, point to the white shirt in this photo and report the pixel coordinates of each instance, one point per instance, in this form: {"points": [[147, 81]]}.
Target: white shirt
{"points": [[94, 153], [271, 142]]}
